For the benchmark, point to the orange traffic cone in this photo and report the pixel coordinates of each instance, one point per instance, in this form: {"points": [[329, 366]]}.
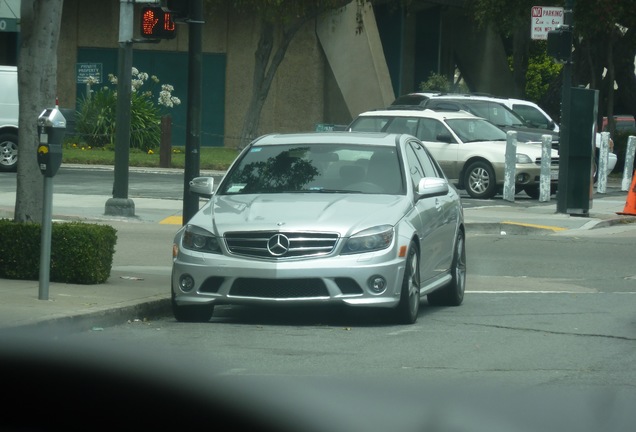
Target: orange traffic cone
{"points": [[630, 204]]}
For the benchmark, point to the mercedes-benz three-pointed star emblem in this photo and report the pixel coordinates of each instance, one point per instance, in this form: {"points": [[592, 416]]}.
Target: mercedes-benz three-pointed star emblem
{"points": [[278, 245]]}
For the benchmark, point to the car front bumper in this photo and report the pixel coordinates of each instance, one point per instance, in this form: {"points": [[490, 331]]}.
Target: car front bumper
{"points": [[526, 174], [345, 279]]}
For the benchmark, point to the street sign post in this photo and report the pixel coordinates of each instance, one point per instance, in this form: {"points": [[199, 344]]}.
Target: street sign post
{"points": [[544, 19]]}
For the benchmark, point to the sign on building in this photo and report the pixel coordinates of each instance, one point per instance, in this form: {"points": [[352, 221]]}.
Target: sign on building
{"points": [[544, 19], [86, 70]]}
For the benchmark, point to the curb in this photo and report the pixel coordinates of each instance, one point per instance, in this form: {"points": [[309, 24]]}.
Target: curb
{"points": [[97, 320], [514, 228]]}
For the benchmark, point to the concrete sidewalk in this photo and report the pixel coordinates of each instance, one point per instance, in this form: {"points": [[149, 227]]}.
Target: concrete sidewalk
{"points": [[139, 285]]}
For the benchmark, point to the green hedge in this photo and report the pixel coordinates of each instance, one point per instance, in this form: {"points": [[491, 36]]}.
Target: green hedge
{"points": [[81, 253]]}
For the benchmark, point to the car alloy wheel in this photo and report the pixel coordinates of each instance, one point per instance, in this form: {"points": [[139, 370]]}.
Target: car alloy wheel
{"points": [[453, 293], [409, 306], [479, 180]]}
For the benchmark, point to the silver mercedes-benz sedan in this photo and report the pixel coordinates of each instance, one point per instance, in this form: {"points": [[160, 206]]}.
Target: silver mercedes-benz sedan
{"points": [[361, 219]]}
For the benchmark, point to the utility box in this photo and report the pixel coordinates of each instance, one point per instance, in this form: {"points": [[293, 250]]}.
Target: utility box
{"points": [[580, 173]]}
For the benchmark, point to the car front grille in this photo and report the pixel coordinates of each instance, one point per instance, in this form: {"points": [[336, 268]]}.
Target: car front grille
{"points": [[554, 162], [279, 288], [279, 244]]}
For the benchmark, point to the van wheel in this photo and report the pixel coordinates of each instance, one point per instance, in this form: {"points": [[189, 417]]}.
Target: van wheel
{"points": [[479, 180], [8, 152]]}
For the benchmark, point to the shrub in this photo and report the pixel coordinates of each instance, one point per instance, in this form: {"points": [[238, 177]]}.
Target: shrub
{"points": [[81, 253], [96, 116], [441, 83]]}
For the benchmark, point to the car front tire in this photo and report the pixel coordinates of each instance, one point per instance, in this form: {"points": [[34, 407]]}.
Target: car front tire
{"points": [[453, 293], [409, 307], [479, 180], [191, 313]]}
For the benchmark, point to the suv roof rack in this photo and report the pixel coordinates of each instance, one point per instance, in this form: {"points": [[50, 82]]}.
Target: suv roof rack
{"points": [[406, 107]]}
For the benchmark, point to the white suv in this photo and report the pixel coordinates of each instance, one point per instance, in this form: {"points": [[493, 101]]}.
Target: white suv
{"points": [[530, 112], [470, 150]]}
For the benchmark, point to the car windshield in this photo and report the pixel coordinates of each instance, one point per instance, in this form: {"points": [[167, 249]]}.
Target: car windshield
{"points": [[473, 130], [496, 113], [532, 116], [315, 168]]}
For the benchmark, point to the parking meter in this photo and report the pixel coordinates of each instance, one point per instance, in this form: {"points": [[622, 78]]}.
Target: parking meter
{"points": [[51, 129]]}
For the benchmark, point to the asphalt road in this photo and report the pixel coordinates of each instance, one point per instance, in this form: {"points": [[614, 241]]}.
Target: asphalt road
{"points": [[154, 183], [553, 313], [147, 183]]}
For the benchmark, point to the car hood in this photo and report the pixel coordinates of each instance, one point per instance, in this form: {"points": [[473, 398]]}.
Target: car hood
{"points": [[525, 134], [531, 149], [345, 214]]}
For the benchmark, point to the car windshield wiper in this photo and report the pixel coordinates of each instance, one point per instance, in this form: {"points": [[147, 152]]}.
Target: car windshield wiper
{"points": [[323, 190]]}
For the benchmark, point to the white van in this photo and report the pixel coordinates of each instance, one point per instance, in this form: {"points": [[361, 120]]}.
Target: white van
{"points": [[8, 118]]}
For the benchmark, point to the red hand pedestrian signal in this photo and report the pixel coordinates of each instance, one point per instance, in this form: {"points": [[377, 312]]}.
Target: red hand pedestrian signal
{"points": [[157, 23]]}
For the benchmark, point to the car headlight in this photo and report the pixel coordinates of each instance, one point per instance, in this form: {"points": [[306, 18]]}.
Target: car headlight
{"points": [[197, 239], [371, 239], [523, 159]]}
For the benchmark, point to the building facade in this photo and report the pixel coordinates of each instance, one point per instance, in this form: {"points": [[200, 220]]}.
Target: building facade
{"points": [[330, 72]]}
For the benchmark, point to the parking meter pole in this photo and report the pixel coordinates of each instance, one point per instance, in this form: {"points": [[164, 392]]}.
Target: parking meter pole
{"points": [[45, 242], [51, 128]]}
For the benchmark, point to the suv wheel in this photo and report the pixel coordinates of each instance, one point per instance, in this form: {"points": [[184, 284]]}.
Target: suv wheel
{"points": [[479, 180]]}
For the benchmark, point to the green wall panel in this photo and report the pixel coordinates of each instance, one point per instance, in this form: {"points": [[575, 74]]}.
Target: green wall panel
{"points": [[172, 68]]}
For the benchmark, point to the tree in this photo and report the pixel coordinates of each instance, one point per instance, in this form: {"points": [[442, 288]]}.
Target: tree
{"points": [[604, 44], [605, 48], [512, 19], [37, 74], [280, 20]]}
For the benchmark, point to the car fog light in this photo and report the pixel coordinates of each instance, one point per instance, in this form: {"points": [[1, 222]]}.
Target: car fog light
{"points": [[377, 284], [186, 283], [522, 178]]}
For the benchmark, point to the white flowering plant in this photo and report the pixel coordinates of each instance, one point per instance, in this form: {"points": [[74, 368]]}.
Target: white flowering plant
{"points": [[96, 116]]}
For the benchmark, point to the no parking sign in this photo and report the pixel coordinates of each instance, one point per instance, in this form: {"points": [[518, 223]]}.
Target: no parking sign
{"points": [[544, 19]]}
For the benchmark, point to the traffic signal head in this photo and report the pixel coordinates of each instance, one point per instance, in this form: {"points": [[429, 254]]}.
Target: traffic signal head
{"points": [[179, 8], [157, 23], [560, 44]]}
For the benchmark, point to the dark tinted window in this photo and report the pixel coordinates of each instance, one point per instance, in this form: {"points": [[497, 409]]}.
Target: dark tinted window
{"points": [[410, 100]]}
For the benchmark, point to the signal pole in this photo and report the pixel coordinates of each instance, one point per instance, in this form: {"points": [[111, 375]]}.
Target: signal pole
{"points": [[120, 204], [564, 129], [193, 127]]}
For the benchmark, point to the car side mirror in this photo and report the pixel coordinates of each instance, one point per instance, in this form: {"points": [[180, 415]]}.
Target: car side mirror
{"points": [[445, 137], [203, 186], [431, 187]]}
